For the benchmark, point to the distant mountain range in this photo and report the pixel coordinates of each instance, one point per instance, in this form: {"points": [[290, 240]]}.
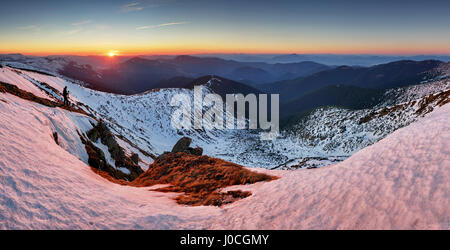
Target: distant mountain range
{"points": [[383, 76], [327, 59], [354, 60], [138, 74], [349, 87]]}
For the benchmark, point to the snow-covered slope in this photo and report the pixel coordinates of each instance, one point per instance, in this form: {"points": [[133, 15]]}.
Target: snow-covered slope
{"points": [[13, 76], [401, 182], [43, 186]]}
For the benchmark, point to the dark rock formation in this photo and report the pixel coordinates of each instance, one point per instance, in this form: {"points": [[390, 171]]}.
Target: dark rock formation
{"points": [[102, 132], [182, 145], [135, 158], [55, 137]]}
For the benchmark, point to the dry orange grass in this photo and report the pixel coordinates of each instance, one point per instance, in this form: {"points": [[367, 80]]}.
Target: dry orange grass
{"points": [[199, 178]]}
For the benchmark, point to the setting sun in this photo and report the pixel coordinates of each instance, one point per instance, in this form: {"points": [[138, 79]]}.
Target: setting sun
{"points": [[112, 53]]}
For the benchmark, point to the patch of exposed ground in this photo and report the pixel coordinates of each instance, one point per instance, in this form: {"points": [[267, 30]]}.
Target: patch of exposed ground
{"points": [[200, 178]]}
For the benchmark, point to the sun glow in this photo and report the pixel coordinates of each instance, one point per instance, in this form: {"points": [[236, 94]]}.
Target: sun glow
{"points": [[112, 53]]}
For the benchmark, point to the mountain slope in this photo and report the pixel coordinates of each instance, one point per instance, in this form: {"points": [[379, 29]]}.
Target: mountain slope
{"points": [[344, 96], [359, 193], [222, 86], [401, 182], [383, 76]]}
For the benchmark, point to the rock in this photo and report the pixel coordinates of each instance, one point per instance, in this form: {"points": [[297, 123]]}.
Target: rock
{"points": [[93, 135], [97, 158], [55, 137], [135, 158], [182, 145], [161, 156], [195, 151], [110, 142]]}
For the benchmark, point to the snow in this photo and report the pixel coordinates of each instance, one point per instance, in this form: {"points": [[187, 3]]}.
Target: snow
{"points": [[8, 75], [400, 182], [105, 150], [109, 158], [66, 124], [333, 133]]}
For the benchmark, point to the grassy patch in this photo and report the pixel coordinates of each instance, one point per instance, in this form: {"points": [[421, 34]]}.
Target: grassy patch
{"points": [[199, 178]]}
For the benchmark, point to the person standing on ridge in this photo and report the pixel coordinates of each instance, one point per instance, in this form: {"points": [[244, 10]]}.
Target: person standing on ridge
{"points": [[66, 96]]}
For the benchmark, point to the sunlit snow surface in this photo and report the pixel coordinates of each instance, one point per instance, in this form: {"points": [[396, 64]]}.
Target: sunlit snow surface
{"points": [[400, 182]]}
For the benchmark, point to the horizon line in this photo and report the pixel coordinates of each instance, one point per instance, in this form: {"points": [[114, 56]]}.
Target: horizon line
{"points": [[224, 53]]}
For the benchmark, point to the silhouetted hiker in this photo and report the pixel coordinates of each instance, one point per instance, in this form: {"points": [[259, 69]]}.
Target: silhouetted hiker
{"points": [[66, 96]]}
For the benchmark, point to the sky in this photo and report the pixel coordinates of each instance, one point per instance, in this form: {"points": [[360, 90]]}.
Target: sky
{"points": [[211, 26]]}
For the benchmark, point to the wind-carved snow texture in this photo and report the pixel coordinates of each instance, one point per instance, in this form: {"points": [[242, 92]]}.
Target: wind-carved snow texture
{"points": [[400, 182]]}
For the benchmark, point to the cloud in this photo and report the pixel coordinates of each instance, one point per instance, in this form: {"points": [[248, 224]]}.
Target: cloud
{"points": [[160, 25], [82, 23], [136, 6], [102, 27], [71, 32], [30, 28], [78, 27]]}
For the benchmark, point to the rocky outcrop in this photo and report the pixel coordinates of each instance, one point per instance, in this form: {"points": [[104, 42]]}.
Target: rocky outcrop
{"points": [[135, 158], [195, 151], [182, 145], [98, 162], [102, 132]]}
